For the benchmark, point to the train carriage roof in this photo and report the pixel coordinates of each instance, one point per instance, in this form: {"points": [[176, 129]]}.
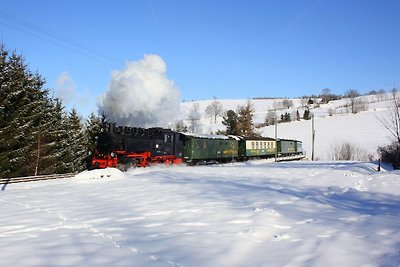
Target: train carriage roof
{"points": [[257, 138], [207, 136]]}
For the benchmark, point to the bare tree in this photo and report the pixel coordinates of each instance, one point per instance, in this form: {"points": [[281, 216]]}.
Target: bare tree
{"points": [[214, 110], [348, 151], [353, 95], [382, 96], [277, 105], [194, 117], [287, 103], [326, 95], [391, 153], [356, 103], [392, 121], [270, 118], [304, 101], [181, 127]]}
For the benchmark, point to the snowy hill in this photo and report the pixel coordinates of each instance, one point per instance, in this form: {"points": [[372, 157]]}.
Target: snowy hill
{"points": [[257, 213], [362, 129]]}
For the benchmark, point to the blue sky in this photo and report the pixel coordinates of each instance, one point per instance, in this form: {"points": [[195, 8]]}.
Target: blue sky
{"points": [[219, 48]]}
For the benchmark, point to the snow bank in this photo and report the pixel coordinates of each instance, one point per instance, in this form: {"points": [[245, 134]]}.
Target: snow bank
{"points": [[105, 175]]}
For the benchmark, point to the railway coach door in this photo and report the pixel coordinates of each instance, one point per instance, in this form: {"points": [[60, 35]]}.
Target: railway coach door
{"points": [[168, 144]]}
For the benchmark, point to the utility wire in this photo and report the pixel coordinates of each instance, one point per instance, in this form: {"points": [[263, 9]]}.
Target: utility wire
{"points": [[26, 27]]}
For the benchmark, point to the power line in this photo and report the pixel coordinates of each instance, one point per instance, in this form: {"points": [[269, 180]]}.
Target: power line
{"points": [[26, 27]]}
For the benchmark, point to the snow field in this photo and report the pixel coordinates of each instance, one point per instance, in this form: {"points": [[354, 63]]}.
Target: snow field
{"points": [[256, 213]]}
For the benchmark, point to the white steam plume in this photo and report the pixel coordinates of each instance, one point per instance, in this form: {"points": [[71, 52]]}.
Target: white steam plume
{"points": [[141, 95]]}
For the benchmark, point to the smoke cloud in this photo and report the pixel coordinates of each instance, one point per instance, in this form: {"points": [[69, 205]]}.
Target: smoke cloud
{"points": [[141, 95]]}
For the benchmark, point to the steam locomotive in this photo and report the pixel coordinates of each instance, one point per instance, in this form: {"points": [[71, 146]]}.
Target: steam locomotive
{"points": [[124, 147]]}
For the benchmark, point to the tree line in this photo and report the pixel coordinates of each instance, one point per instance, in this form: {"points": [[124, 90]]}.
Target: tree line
{"points": [[37, 134]]}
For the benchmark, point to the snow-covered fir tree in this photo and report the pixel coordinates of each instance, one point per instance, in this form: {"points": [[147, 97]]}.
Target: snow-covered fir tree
{"points": [[230, 120], [22, 105], [57, 138], [75, 154], [36, 135], [93, 127]]}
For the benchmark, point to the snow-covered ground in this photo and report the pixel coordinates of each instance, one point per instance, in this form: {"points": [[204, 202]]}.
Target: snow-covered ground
{"points": [[257, 213]]}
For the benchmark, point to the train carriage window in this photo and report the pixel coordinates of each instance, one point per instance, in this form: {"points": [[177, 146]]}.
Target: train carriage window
{"points": [[256, 145], [252, 145], [167, 139]]}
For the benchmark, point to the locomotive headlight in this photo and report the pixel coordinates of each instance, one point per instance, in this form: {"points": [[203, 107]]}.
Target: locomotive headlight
{"points": [[112, 154]]}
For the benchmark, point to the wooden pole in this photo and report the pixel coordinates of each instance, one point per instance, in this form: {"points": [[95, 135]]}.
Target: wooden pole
{"points": [[38, 155], [276, 140], [313, 136]]}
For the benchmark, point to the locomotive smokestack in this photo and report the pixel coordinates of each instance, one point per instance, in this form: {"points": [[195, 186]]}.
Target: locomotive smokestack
{"points": [[141, 95]]}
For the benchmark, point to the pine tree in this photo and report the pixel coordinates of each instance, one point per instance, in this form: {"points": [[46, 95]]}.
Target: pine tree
{"points": [[245, 126], [286, 117], [92, 129], [297, 115], [23, 103], [57, 138], [230, 120], [307, 115], [74, 156]]}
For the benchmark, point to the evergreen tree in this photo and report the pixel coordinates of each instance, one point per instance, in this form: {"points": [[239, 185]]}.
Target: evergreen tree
{"points": [[286, 117], [230, 120], [307, 115], [74, 156], [23, 104], [58, 134], [297, 115], [34, 130], [245, 126], [50, 137], [92, 129]]}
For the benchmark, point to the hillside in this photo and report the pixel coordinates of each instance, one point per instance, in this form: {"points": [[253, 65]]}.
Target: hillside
{"points": [[362, 129]]}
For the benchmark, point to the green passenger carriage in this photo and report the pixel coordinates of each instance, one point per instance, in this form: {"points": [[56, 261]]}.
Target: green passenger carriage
{"points": [[287, 147], [206, 148]]}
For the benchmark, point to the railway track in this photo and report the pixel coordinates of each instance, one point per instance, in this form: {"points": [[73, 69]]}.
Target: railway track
{"points": [[14, 180]]}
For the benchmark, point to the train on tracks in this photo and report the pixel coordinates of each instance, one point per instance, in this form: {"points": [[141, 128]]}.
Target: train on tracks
{"points": [[124, 147]]}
